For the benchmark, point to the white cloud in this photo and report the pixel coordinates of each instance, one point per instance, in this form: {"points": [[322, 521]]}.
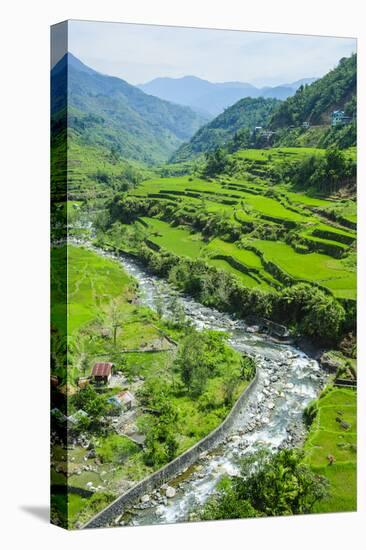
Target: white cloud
{"points": [[138, 53]]}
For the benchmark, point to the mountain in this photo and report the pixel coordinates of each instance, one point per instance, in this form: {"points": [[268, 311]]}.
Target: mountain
{"points": [[302, 82], [213, 97], [315, 102], [108, 112], [246, 113]]}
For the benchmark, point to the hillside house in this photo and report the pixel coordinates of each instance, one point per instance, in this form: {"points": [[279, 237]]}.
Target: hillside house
{"points": [[123, 399], [339, 118], [306, 125], [126, 399], [101, 373]]}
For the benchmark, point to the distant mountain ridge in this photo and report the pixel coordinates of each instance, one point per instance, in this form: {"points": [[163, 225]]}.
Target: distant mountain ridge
{"points": [[213, 97], [311, 104], [107, 111]]}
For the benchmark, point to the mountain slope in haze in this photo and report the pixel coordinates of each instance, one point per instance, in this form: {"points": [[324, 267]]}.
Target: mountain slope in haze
{"points": [[108, 112], [204, 96], [315, 102], [246, 113]]}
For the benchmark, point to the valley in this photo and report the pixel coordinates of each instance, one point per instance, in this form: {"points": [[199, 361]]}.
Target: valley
{"points": [[193, 261]]}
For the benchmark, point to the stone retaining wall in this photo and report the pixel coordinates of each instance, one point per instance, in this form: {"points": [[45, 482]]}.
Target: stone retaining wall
{"points": [[175, 467]]}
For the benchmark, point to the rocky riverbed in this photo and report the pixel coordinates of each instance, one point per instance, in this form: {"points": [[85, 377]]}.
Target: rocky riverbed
{"points": [[272, 417]]}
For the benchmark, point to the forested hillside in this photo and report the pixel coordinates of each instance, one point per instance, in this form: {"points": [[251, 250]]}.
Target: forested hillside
{"points": [[313, 103], [246, 113], [302, 120], [108, 112]]}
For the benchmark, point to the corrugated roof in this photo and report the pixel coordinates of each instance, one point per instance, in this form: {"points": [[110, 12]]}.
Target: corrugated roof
{"points": [[102, 369]]}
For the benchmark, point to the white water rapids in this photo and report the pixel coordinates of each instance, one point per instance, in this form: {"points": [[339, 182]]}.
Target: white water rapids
{"points": [[272, 417]]}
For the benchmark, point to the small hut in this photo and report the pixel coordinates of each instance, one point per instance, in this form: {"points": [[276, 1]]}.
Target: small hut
{"points": [[102, 372], [126, 399]]}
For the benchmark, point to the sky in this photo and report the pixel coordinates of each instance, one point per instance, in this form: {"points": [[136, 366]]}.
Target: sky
{"points": [[139, 53]]}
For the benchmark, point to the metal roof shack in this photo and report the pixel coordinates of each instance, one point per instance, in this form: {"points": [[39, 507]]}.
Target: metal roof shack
{"points": [[102, 372]]}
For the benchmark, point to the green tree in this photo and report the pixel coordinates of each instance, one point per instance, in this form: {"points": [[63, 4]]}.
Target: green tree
{"points": [[316, 313], [177, 313], [201, 356], [230, 382], [269, 485], [84, 365], [158, 424], [93, 403], [216, 162]]}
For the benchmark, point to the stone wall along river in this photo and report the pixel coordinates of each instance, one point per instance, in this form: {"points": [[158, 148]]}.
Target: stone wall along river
{"points": [[271, 415]]}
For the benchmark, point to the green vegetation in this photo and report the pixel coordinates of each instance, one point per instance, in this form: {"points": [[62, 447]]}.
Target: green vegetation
{"points": [[331, 447], [255, 215], [108, 112], [268, 485], [179, 400], [326, 174], [314, 102], [92, 283], [328, 272], [304, 119], [116, 449], [173, 239], [306, 309], [246, 113], [277, 235]]}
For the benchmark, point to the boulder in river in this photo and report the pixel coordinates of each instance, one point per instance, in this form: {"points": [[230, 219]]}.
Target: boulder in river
{"points": [[329, 362], [170, 492]]}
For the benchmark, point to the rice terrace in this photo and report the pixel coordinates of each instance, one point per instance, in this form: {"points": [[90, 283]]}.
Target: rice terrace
{"points": [[203, 281]]}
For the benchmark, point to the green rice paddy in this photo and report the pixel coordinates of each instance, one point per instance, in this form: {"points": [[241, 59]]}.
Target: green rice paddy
{"points": [[328, 259], [334, 433], [320, 268]]}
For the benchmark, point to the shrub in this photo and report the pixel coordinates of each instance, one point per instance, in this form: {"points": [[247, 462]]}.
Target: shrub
{"points": [[268, 485]]}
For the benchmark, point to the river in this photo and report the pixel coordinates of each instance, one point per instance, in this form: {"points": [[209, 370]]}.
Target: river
{"points": [[273, 416]]}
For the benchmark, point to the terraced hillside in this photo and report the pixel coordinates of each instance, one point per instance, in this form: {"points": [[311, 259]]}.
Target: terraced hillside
{"points": [[268, 235], [331, 447]]}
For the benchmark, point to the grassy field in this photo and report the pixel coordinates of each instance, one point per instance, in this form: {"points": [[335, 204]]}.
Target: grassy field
{"points": [[329, 272], [276, 154], [334, 432], [95, 285], [320, 268], [90, 170], [92, 283], [310, 238], [177, 240], [183, 242]]}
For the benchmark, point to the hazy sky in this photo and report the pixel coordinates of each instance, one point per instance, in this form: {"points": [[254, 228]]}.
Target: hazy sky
{"points": [[138, 53]]}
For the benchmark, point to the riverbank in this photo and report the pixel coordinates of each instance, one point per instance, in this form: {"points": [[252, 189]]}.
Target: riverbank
{"points": [[288, 380], [143, 351]]}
